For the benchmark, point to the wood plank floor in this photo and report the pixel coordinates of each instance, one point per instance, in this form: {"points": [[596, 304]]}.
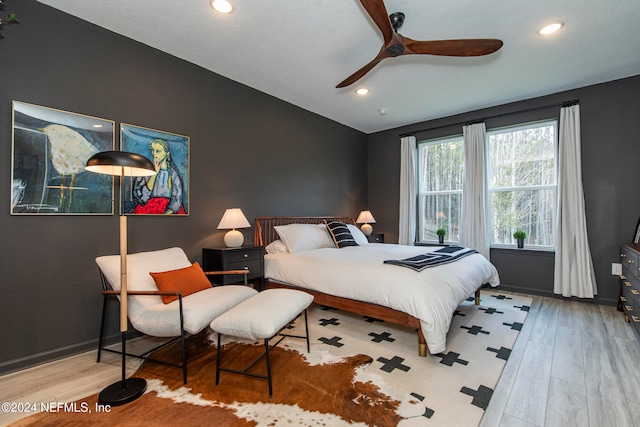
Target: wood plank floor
{"points": [[574, 364]]}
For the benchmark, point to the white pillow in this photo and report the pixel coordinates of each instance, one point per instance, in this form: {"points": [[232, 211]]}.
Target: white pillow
{"points": [[277, 246], [304, 237], [358, 235]]}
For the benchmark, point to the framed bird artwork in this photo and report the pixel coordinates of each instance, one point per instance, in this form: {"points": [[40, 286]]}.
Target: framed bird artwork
{"points": [[50, 150]]}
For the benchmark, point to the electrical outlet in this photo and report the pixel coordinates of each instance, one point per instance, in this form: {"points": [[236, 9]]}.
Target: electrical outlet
{"points": [[616, 269]]}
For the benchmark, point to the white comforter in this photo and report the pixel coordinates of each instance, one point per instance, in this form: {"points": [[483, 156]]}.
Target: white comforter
{"points": [[359, 273]]}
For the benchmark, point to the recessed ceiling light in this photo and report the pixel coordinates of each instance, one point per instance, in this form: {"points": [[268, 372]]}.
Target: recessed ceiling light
{"points": [[222, 6], [362, 91], [551, 28]]}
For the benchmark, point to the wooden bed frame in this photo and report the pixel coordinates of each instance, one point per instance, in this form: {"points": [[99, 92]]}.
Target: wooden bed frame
{"points": [[264, 233]]}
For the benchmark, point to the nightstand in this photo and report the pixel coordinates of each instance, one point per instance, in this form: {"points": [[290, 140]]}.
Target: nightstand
{"points": [[376, 238], [243, 258]]}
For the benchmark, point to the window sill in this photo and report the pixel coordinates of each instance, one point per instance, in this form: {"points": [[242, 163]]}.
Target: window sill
{"points": [[499, 247], [434, 243], [531, 250]]}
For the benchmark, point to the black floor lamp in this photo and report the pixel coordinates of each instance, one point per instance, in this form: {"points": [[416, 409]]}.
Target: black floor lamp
{"points": [[120, 164]]}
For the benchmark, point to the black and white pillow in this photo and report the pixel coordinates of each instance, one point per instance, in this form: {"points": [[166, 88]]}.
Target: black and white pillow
{"points": [[341, 234]]}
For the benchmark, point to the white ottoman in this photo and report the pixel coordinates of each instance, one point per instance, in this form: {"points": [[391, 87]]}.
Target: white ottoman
{"points": [[262, 316]]}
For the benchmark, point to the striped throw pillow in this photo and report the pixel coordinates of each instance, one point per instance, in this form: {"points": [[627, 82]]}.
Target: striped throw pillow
{"points": [[341, 234]]}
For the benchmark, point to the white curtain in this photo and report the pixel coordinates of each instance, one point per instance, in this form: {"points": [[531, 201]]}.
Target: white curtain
{"points": [[473, 233], [574, 274], [407, 222]]}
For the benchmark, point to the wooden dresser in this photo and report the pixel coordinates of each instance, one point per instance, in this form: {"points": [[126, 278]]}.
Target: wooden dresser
{"points": [[630, 278]]}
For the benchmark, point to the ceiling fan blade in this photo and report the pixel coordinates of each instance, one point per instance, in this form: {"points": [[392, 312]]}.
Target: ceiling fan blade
{"points": [[360, 73], [377, 11], [462, 47]]}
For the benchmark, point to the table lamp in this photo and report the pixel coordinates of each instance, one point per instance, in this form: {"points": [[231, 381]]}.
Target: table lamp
{"points": [[232, 219], [365, 218], [119, 164]]}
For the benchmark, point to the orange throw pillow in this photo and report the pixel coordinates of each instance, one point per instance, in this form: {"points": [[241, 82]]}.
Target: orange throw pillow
{"points": [[188, 280]]}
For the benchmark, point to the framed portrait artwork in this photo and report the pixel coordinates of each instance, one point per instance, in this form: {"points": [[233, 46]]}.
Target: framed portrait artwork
{"points": [[166, 192], [49, 152]]}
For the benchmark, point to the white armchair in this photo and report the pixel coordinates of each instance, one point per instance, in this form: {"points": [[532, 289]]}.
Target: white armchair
{"points": [[147, 312]]}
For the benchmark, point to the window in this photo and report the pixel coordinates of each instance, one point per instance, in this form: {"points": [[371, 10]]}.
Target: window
{"points": [[522, 186], [521, 179], [441, 174]]}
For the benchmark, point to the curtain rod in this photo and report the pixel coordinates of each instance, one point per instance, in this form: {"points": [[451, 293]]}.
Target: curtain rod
{"points": [[470, 122]]}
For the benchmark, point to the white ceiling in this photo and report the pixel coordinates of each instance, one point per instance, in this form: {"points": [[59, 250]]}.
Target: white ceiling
{"points": [[299, 50]]}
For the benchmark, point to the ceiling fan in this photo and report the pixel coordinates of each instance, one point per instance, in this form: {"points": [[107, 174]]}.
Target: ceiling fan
{"points": [[396, 45]]}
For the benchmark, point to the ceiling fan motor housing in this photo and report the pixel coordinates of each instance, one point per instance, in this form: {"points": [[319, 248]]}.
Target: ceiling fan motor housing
{"points": [[397, 19], [395, 50]]}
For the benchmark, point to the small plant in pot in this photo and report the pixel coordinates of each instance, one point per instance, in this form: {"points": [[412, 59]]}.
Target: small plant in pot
{"points": [[441, 232], [10, 19], [520, 236]]}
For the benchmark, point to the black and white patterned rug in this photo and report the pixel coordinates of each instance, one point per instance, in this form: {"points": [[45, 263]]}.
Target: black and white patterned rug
{"points": [[455, 386]]}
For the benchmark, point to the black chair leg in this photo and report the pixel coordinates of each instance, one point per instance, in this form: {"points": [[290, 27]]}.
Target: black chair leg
{"points": [[306, 329], [184, 353], [102, 322], [266, 347], [184, 358], [218, 351]]}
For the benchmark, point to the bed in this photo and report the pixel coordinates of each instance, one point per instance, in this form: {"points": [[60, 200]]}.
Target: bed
{"points": [[356, 279]]}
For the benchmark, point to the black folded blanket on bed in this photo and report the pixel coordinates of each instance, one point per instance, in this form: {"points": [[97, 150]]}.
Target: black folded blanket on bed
{"points": [[441, 256]]}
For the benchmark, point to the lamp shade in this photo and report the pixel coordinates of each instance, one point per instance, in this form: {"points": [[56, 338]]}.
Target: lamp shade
{"points": [[120, 163], [233, 218], [365, 217]]}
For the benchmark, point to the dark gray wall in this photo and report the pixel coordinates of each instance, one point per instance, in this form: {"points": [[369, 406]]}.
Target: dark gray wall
{"points": [[610, 127], [248, 150]]}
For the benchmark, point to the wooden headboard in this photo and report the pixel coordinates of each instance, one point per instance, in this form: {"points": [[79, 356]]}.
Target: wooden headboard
{"points": [[264, 233]]}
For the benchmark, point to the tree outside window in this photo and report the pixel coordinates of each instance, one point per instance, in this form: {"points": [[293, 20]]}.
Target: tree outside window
{"points": [[522, 183], [441, 175]]}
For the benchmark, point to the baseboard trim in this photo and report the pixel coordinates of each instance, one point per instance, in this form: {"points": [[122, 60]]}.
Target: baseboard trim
{"points": [[550, 294], [33, 360]]}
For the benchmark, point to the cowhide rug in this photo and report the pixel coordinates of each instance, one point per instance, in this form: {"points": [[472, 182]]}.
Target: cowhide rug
{"points": [[314, 389]]}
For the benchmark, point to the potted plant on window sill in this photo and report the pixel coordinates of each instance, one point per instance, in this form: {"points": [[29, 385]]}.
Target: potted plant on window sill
{"points": [[441, 232], [11, 19], [520, 236]]}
